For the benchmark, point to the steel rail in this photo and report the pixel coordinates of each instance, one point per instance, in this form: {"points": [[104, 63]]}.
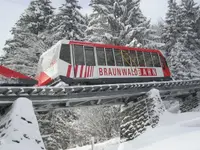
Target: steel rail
{"points": [[86, 95]]}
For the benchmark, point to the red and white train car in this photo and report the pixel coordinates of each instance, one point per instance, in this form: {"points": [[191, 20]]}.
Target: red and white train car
{"points": [[77, 62]]}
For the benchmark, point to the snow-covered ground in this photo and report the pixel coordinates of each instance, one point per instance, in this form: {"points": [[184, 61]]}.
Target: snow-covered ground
{"points": [[174, 132], [19, 128], [19, 131]]}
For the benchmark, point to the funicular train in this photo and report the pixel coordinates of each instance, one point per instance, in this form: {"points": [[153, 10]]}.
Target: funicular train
{"points": [[77, 62]]}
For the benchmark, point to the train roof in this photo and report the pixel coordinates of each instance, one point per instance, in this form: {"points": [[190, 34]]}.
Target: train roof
{"points": [[93, 44]]}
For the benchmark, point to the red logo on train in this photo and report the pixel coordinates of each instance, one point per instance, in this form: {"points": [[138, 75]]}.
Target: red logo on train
{"points": [[127, 72]]}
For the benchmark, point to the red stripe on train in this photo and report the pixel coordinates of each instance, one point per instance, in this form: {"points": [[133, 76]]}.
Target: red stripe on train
{"points": [[69, 70], [92, 71], [88, 71], [85, 71], [75, 70], [43, 79], [81, 72]]}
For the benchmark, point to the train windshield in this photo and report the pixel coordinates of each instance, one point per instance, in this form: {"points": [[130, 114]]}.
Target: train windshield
{"points": [[65, 53]]}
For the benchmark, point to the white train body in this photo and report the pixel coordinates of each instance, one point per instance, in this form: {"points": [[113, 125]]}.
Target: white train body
{"points": [[92, 63]]}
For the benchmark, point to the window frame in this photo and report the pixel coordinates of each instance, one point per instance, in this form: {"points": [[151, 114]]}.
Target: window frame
{"points": [[75, 54], [86, 57], [145, 64], [158, 59], [97, 57], [150, 57], [125, 60], [136, 59], [59, 55], [139, 61], [120, 52], [112, 56]]}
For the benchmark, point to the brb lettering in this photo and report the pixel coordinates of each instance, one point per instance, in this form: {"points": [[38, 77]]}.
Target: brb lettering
{"points": [[127, 72]]}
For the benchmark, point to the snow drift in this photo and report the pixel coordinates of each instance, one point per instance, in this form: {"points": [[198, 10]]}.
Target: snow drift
{"points": [[19, 128], [174, 132]]}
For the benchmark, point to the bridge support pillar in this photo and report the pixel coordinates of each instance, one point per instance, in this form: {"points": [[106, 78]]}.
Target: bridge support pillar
{"points": [[189, 102], [136, 117]]}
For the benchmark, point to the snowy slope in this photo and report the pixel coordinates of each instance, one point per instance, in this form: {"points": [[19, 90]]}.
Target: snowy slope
{"points": [[19, 128], [174, 132]]}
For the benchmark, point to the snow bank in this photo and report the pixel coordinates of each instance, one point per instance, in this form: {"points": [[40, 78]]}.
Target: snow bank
{"points": [[109, 145], [19, 128], [174, 132]]}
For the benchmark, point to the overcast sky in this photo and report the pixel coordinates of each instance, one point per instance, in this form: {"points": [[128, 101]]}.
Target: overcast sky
{"points": [[10, 11]]}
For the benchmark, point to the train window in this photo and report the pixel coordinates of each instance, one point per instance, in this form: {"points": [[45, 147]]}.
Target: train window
{"points": [[101, 56], [110, 57], [156, 60], [141, 59], [148, 59], [65, 53], [79, 55], [89, 55], [133, 58], [126, 57], [118, 58]]}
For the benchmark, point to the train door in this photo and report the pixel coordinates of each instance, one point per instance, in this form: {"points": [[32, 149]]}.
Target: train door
{"points": [[84, 61], [79, 61]]}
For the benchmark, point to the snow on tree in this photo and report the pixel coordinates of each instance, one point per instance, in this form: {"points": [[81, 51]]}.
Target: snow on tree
{"points": [[64, 129], [37, 16], [134, 19], [34, 20], [181, 40], [17, 40], [22, 49], [183, 63], [170, 31], [101, 122], [119, 22], [57, 129], [69, 23], [25, 59], [98, 23], [156, 36], [188, 14]]}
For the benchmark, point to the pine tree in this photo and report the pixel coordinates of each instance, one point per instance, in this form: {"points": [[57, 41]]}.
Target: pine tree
{"points": [[25, 59], [98, 25], [22, 49], [183, 63], [57, 128], [170, 31], [182, 42], [37, 16], [34, 20], [188, 39], [101, 122], [187, 17], [118, 22], [157, 35], [134, 19], [68, 23]]}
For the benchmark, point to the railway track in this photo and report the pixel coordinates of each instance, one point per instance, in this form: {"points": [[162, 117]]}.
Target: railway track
{"points": [[45, 98]]}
